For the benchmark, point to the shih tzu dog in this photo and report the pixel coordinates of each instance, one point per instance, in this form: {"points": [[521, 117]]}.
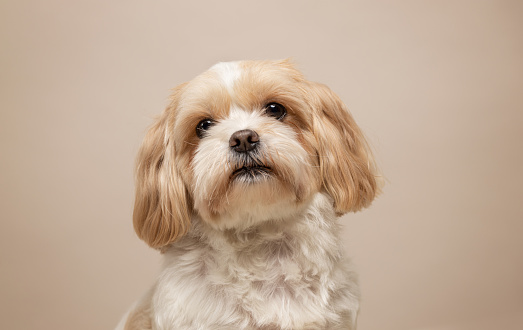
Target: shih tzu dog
{"points": [[239, 184]]}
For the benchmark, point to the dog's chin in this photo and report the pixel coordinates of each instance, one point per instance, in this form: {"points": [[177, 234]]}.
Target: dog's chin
{"points": [[254, 195], [251, 174]]}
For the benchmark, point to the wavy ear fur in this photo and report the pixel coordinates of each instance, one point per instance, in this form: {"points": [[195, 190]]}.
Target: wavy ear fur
{"points": [[346, 163], [162, 204]]}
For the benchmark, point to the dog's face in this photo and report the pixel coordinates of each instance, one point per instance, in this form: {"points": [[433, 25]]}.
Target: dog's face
{"points": [[247, 142]]}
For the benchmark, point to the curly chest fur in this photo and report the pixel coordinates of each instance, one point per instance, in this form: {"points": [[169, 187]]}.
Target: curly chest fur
{"points": [[287, 276]]}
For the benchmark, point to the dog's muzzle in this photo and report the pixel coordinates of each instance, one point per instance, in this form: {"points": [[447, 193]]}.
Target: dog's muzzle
{"points": [[249, 163]]}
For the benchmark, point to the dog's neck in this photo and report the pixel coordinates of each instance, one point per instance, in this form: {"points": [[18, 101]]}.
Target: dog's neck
{"points": [[309, 240]]}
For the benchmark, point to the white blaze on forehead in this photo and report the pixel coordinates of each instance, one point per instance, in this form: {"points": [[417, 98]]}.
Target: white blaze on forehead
{"points": [[228, 72]]}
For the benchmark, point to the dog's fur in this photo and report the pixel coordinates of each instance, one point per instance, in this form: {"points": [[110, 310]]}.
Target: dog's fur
{"points": [[257, 248]]}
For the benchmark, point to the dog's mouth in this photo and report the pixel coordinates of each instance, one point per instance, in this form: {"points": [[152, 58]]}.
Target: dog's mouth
{"points": [[251, 172]]}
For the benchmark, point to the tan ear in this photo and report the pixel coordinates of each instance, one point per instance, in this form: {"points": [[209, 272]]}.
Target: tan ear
{"points": [[162, 204], [346, 163]]}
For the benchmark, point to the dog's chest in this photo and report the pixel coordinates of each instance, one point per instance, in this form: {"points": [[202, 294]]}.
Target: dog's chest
{"points": [[281, 283]]}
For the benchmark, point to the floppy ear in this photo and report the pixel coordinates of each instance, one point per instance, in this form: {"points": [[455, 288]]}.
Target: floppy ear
{"points": [[346, 163], [162, 204]]}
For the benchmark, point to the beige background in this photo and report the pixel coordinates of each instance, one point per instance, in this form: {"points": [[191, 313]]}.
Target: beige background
{"points": [[436, 85]]}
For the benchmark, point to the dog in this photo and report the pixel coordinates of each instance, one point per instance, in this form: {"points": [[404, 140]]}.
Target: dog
{"points": [[239, 183]]}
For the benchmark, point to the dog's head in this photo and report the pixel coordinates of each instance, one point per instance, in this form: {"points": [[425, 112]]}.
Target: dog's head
{"points": [[247, 142]]}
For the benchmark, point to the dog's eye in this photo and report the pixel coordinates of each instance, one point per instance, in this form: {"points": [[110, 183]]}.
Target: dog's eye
{"points": [[203, 126], [275, 110]]}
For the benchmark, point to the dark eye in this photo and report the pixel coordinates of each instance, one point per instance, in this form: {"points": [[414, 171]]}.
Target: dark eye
{"points": [[275, 110], [203, 126]]}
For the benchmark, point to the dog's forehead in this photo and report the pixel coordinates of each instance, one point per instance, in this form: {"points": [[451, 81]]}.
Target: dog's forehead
{"points": [[249, 85], [240, 75], [228, 73]]}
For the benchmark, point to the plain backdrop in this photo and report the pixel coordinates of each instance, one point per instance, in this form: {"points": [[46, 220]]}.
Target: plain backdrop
{"points": [[436, 86]]}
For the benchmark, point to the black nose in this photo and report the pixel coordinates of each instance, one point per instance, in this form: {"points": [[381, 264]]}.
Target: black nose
{"points": [[244, 140]]}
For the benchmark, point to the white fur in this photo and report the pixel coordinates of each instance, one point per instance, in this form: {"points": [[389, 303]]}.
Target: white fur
{"points": [[228, 72], [288, 275]]}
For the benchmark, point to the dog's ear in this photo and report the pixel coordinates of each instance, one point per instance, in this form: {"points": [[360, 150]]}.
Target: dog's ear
{"points": [[347, 167], [162, 204]]}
